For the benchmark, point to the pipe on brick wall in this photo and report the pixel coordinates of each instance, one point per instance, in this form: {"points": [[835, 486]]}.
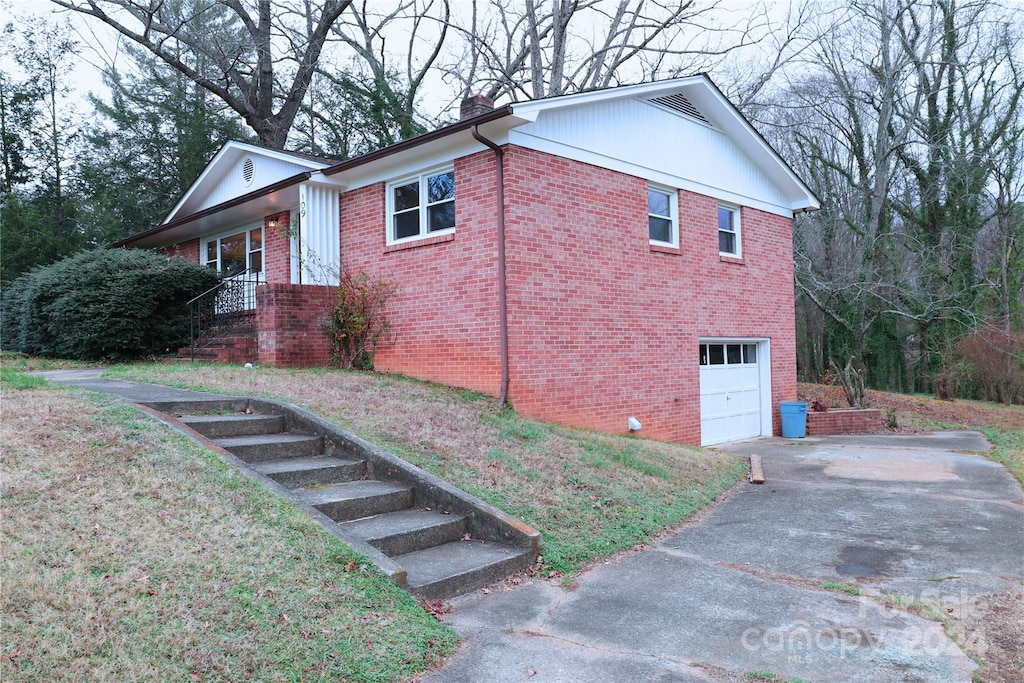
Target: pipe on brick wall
{"points": [[499, 156]]}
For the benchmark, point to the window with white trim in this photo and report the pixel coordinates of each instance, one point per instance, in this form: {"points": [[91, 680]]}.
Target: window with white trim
{"points": [[236, 252], [421, 206], [662, 216], [729, 231]]}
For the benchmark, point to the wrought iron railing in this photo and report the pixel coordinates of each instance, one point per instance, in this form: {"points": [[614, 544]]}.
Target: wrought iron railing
{"points": [[224, 308]]}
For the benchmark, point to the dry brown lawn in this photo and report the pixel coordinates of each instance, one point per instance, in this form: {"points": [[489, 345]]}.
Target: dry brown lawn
{"points": [[132, 554]]}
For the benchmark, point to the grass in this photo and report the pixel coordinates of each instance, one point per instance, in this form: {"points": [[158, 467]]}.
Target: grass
{"points": [[13, 379], [590, 495], [130, 553], [841, 587], [770, 677]]}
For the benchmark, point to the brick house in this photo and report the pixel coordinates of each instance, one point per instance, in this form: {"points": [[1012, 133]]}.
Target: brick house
{"points": [[623, 253]]}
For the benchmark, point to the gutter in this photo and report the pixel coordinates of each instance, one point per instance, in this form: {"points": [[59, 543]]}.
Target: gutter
{"points": [[421, 139], [499, 157]]}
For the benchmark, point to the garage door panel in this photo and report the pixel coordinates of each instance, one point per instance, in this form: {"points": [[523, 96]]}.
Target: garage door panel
{"points": [[730, 395]]}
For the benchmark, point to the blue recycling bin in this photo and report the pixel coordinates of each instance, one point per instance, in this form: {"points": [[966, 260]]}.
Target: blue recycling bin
{"points": [[794, 419]]}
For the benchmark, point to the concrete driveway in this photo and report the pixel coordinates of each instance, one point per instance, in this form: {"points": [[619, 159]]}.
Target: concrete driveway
{"points": [[744, 589]]}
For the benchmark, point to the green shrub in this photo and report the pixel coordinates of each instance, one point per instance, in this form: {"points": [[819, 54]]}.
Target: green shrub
{"points": [[101, 304]]}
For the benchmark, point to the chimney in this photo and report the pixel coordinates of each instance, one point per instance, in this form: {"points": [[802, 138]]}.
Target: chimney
{"points": [[475, 106]]}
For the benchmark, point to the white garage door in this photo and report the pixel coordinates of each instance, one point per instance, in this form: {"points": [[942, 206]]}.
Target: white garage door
{"points": [[730, 392]]}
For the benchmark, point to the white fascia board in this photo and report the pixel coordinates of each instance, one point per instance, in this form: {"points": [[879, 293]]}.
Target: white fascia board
{"points": [[529, 110], [587, 156], [225, 157], [198, 181], [321, 179]]}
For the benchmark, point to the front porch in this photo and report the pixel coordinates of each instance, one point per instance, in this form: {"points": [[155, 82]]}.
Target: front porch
{"points": [[247, 320]]}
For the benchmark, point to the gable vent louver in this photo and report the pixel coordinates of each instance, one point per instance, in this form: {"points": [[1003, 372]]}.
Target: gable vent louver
{"points": [[248, 170], [680, 104]]}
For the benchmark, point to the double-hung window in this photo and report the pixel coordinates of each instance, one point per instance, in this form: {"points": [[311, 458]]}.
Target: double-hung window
{"points": [[662, 216], [729, 231], [421, 206]]}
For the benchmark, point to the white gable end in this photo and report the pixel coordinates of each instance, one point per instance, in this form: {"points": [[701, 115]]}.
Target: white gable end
{"points": [[248, 173], [662, 143], [236, 170]]}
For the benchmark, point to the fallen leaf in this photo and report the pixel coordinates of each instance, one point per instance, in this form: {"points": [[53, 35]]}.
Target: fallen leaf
{"points": [[436, 608]]}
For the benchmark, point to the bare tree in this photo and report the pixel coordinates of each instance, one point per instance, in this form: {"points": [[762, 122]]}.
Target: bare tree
{"points": [[370, 99], [541, 49], [262, 53], [897, 120]]}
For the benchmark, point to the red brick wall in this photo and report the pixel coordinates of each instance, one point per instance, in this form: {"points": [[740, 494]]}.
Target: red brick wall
{"points": [[289, 322], [843, 422], [602, 327], [187, 250], [277, 265], [445, 312]]}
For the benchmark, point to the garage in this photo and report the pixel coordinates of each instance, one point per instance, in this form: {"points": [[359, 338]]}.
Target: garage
{"points": [[735, 398]]}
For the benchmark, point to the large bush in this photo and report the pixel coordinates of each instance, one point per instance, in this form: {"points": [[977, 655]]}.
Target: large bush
{"points": [[996, 361], [107, 303]]}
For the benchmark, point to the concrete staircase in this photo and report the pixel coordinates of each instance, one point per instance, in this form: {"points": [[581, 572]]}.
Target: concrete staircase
{"points": [[430, 537]]}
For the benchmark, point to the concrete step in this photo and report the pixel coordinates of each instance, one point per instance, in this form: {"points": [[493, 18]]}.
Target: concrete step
{"points": [[355, 499], [321, 469], [405, 531], [262, 447], [221, 426], [459, 567]]}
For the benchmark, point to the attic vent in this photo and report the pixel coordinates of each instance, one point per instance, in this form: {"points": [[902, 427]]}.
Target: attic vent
{"points": [[680, 104], [248, 170]]}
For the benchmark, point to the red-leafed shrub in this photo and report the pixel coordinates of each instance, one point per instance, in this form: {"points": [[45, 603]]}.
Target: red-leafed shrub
{"points": [[359, 319], [997, 365]]}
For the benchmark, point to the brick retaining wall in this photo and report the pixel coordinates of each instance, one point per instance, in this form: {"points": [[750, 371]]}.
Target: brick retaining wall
{"points": [[852, 421]]}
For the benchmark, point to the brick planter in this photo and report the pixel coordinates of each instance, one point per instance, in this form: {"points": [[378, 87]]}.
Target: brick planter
{"points": [[851, 421]]}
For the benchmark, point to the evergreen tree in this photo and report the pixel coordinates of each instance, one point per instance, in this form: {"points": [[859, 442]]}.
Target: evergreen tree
{"points": [[151, 141], [38, 127]]}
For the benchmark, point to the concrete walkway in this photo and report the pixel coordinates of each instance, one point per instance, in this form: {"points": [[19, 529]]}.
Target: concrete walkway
{"points": [[137, 392], [742, 590]]}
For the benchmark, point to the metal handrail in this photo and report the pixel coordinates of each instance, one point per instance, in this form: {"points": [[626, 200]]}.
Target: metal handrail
{"points": [[220, 309]]}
